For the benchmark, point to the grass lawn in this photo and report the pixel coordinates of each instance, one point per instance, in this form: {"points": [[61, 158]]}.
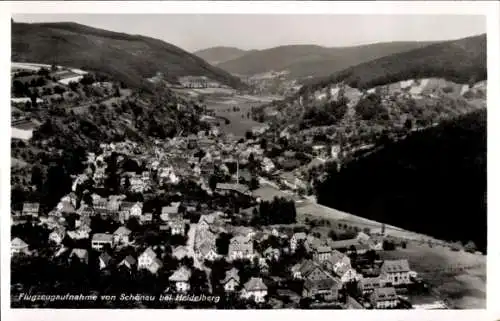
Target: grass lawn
{"points": [[441, 267]]}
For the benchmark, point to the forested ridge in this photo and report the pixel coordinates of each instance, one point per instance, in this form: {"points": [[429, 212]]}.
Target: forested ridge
{"points": [[433, 182]]}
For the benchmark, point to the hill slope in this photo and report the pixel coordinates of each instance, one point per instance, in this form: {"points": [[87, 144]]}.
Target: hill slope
{"points": [[433, 182], [305, 60], [217, 55], [462, 61], [128, 58]]}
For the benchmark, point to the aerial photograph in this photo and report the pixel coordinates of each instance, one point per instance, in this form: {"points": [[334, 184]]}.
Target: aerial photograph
{"points": [[248, 161]]}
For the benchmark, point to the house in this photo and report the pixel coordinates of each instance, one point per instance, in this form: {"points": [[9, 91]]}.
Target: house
{"points": [[137, 185], [180, 252], [349, 246], [254, 289], [263, 265], [377, 245], [337, 260], [206, 221], [146, 218], [128, 209], [148, 260], [80, 254], [322, 253], [296, 239], [170, 212], [292, 182], [81, 233], [327, 288], [395, 272], [122, 235], [167, 175], [113, 205], [146, 177], [272, 254], [240, 247], [308, 269], [311, 243], [347, 274], [267, 165], [228, 188], [368, 285], [177, 227], [363, 237], [129, 262], [206, 249], [99, 175], [245, 231], [384, 298], [31, 209], [19, 246], [99, 240], [232, 280], [181, 278], [85, 211], [104, 260], [66, 207], [100, 205], [57, 235]]}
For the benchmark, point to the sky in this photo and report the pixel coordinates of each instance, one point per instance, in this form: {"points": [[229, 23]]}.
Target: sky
{"points": [[193, 32]]}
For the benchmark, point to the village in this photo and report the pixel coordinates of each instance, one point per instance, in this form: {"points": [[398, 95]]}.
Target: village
{"points": [[194, 201]]}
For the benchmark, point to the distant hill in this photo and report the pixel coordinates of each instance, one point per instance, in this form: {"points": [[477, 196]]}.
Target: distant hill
{"points": [[310, 60], [217, 55], [433, 182], [461, 61], [128, 58]]}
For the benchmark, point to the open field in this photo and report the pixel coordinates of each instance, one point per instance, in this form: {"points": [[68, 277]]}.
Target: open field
{"points": [[459, 278], [240, 119], [268, 193]]}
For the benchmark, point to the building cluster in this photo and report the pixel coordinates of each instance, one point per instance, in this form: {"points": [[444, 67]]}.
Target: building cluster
{"points": [[323, 267]]}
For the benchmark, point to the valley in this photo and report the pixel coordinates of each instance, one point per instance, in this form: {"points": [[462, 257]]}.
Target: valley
{"points": [[234, 174]]}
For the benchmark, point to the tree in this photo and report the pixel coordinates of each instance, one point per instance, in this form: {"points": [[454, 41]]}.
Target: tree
{"points": [[470, 247], [388, 245], [332, 235], [18, 88], [408, 124], [212, 182], [117, 91], [59, 90], [254, 183], [457, 246], [37, 177], [222, 243]]}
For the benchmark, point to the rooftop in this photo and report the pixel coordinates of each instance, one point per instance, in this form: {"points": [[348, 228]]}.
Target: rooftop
{"points": [[255, 284], [102, 237], [382, 294], [394, 266]]}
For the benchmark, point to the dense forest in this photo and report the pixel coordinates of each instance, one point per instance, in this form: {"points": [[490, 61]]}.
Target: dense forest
{"points": [[433, 182], [461, 61]]}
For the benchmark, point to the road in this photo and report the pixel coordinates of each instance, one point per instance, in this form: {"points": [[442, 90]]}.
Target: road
{"points": [[191, 253], [190, 245]]}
